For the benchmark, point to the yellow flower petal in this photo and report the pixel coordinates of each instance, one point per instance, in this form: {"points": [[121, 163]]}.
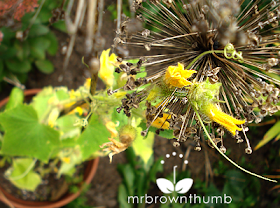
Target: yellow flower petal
{"points": [[176, 76], [107, 67], [161, 122], [227, 121], [111, 127], [66, 160], [53, 117], [78, 110], [87, 83], [72, 95]]}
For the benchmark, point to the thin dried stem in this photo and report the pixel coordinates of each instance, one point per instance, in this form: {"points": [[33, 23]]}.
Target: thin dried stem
{"points": [[119, 11], [72, 28], [91, 20], [14, 82]]}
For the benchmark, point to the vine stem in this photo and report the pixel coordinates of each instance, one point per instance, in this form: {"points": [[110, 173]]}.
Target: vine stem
{"points": [[25, 172], [202, 54], [227, 158], [32, 21]]}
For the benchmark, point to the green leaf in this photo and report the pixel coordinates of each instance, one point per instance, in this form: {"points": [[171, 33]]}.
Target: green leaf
{"points": [[50, 4], [25, 136], [156, 167], [1, 67], [60, 25], [44, 15], [37, 53], [129, 176], [8, 34], [21, 77], [75, 158], [95, 135], [119, 118], [38, 46], [17, 66], [66, 126], [27, 181], [7, 52], [44, 66], [38, 30], [236, 178], [141, 183], [40, 102], [52, 49], [143, 147], [122, 197], [23, 49], [235, 192], [16, 98], [270, 134], [62, 93], [25, 20]]}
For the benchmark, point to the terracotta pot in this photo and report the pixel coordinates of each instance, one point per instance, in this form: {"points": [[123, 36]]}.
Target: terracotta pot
{"points": [[18, 203]]}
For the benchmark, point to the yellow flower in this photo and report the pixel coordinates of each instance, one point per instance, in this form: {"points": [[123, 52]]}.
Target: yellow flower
{"points": [[66, 160], [72, 96], [107, 67], [78, 110], [161, 122], [176, 76], [227, 121]]}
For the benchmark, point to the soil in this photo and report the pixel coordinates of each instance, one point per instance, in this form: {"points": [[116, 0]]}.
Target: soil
{"points": [[104, 187], [51, 188]]}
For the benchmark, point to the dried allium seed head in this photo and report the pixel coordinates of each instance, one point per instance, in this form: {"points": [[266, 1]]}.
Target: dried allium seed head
{"points": [[230, 52]]}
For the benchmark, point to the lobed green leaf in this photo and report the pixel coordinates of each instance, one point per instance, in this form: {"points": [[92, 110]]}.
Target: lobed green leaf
{"points": [[25, 136]]}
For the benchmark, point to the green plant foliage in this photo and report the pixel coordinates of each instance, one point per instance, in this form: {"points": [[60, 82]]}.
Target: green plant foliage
{"points": [[16, 98], [273, 132], [168, 134], [38, 46], [20, 175], [113, 9], [23, 130], [144, 147], [60, 25], [68, 168], [17, 57], [79, 202], [95, 135], [40, 102], [37, 131], [45, 66], [17, 66], [66, 125], [136, 178]]}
